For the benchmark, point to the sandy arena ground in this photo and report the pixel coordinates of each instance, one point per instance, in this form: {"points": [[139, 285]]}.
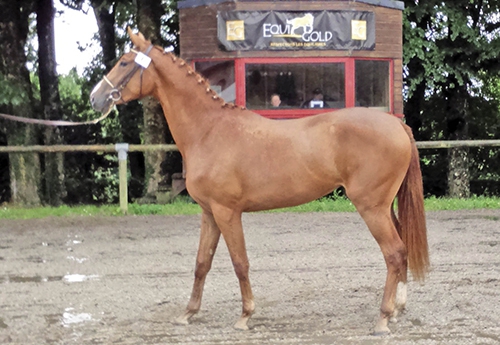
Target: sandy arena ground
{"points": [[317, 279]]}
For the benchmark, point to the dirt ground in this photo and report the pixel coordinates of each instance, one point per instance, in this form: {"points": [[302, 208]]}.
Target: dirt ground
{"points": [[317, 279]]}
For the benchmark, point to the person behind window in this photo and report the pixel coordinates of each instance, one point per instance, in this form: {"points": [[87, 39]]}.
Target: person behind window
{"points": [[336, 101], [316, 101], [275, 100]]}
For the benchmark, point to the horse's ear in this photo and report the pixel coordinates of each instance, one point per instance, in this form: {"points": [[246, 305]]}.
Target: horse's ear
{"points": [[135, 38], [130, 32]]}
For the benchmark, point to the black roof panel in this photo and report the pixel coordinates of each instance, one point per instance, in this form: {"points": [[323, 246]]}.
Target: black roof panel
{"points": [[399, 5]]}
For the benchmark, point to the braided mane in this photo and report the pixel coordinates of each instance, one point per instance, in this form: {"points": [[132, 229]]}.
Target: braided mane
{"points": [[201, 81]]}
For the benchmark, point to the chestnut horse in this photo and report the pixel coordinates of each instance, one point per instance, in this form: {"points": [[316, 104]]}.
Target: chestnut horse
{"points": [[238, 161]]}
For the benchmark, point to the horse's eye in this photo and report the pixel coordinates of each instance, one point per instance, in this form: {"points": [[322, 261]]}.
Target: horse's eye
{"points": [[123, 63]]}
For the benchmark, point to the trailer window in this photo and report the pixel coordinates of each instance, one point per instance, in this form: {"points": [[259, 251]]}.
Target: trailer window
{"points": [[314, 85], [373, 84]]}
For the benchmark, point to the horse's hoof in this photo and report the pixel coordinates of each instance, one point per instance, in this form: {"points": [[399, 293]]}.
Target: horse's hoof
{"points": [[381, 330], [380, 333], [241, 325], [181, 321], [184, 318]]}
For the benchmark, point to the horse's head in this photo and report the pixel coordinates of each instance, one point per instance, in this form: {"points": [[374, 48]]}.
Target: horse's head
{"points": [[129, 79]]}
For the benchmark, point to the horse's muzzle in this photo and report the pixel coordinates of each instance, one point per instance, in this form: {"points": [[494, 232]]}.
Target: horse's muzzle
{"points": [[103, 101]]}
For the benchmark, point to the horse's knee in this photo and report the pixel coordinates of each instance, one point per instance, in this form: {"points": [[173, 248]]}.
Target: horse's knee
{"points": [[202, 268], [241, 269]]}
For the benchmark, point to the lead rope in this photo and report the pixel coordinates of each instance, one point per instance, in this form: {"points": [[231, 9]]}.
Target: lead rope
{"points": [[54, 123]]}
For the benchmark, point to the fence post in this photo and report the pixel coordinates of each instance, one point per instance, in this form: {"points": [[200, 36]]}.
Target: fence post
{"points": [[122, 149]]}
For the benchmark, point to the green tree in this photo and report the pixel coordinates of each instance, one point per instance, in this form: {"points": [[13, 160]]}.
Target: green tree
{"points": [[139, 122], [154, 169], [16, 98], [448, 45]]}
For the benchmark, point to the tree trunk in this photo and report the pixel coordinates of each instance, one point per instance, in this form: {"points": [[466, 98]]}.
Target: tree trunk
{"points": [[458, 158], [458, 173], [456, 96], [51, 101], [160, 166], [105, 18], [24, 168]]}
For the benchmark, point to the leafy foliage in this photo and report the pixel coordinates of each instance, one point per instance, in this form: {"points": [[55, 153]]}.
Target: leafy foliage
{"points": [[11, 92], [452, 75], [125, 124], [95, 171], [170, 25], [451, 40]]}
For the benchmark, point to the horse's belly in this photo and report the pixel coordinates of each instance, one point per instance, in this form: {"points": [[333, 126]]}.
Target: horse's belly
{"points": [[287, 191]]}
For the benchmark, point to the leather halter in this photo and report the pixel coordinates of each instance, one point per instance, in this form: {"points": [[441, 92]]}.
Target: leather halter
{"points": [[116, 91]]}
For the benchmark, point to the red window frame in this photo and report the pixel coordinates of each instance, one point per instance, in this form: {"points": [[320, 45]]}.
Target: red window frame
{"points": [[350, 82], [391, 80]]}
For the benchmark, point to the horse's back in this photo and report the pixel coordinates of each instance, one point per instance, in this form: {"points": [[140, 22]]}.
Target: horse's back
{"points": [[366, 119], [355, 129]]}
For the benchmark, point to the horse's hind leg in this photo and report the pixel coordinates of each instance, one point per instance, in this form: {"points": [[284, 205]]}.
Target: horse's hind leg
{"points": [[401, 293], [383, 229], [209, 238]]}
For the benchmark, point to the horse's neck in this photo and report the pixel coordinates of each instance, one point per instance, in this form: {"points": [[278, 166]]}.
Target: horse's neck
{"points": [[190, 106]]}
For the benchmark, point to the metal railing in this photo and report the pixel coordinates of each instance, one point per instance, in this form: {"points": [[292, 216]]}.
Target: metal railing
{"points": [[122, 149]]}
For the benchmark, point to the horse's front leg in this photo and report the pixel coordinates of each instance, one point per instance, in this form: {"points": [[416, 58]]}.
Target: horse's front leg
{"points": [[209, 238], [229, 222]]}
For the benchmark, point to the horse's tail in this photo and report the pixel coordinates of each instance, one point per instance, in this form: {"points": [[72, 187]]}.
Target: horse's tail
{"points": [[411, 215]]}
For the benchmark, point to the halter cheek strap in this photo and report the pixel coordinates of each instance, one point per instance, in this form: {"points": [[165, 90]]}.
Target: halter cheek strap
{"points": [[142, 61]]}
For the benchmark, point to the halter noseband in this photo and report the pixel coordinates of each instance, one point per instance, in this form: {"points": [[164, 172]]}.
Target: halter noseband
{"points": [[116, 92]]}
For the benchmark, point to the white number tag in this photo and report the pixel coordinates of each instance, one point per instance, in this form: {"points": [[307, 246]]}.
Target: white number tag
{"points": [[142, 60]]}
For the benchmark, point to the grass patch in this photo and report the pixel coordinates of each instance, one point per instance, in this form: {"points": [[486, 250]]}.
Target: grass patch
{"points": [[15, 212], [472, 203], [186, 207], [182, 206], [339, 204]]}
